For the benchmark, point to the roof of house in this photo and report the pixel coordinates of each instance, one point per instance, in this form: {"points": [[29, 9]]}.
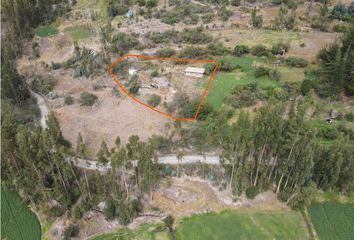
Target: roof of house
{"points": [[195, 70]]}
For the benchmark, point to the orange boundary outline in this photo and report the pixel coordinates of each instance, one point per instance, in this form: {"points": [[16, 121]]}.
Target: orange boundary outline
{"points": [[109, 68]]}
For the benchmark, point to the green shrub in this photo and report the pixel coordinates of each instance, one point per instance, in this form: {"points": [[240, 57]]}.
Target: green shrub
{"points": [[70, 231], [171, 17], [224, 13], [251, 192], [259, 50], [235, 2], [192, 19], [195, 36], [122, 42], [216, 49], [78, 213], [68, 100], [280, 47], [55, 66], [239, 50], [339, 11], [154, 73], [151, 3], [349, 117], [87, 99], [42, 84], [256, 20], [296, 62], [227, 64], [274, 74], [154, 100], [134, 87], [207, 18], [261, 71], [209, 67], [192, 52], [55, 212], [340, 28], [165, 52]]}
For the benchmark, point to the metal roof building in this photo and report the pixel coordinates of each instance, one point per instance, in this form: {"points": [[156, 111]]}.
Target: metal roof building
{"points": [[194, 72]]}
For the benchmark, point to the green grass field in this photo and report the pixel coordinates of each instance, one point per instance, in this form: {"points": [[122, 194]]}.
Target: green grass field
{"points": [[243, 224], [78, 32], [224, 82], [333, 221], [17, 221], [45, 31], [143, 232]]}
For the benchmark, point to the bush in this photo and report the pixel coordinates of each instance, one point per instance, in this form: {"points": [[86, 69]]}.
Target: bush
{"points": [[259, 50], [87, 99], [227, 64], [280, 47], [244, 95], [256, 20], [235, 2], [42, 84], [261, 71], [122, 42], [296, 62], [339, 11], [349, 117], [55, 66], [55, 212], [239, 50], [78, 213], [251, 192], [192, 52], [209, 67], [154, 100], [224, 14], [70, 231], [68, 100], [154, 73], [165, 52], [195, 36], [207, 18], [340, 28], [216, 49], [134, 87]]}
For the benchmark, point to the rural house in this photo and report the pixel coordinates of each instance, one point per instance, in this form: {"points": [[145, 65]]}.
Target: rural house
{"points": [[194, 72]]}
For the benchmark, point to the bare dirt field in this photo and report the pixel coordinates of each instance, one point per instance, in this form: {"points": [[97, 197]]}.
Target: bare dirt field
{"points": [[185, 196]]}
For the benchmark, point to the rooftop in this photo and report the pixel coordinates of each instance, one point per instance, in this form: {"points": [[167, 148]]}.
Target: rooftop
{"points": [[195, 70]]}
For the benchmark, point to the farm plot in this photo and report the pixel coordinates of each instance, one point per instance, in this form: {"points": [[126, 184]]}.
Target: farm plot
{"points": [[333, 221], [243, 224], [225, 82], [17, 221]]}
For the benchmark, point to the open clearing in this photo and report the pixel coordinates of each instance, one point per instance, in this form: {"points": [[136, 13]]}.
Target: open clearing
{"points": [[17, 221], [243, 224], [333, 221]]}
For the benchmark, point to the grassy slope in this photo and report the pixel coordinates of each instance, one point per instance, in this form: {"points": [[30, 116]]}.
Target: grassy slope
{"points": [[78, 32], [143, 232], [243, 224], [333, 221], [223, 82], [45, 31], [17, 221]]}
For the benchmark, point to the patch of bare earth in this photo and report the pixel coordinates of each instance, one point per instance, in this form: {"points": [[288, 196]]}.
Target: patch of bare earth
{"points": [[182, 197]]}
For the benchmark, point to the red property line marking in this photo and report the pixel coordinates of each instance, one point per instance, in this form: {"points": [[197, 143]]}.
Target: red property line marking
{"points": [[109, 68]]}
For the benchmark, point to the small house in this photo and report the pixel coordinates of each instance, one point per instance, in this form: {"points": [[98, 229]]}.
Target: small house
{"points": [[132, 71], [194, 72]]}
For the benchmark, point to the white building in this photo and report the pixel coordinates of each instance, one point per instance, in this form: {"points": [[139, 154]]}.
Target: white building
{"points": [[132, 71], [194, 72]]}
